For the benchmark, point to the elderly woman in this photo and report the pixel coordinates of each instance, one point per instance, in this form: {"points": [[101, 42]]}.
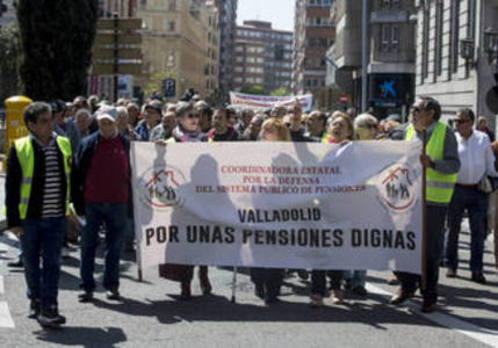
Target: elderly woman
{"points": [[340, 128], [365, 127], [267, 281], [186, 131]]}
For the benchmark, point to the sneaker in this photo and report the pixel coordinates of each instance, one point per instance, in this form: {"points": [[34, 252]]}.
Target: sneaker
{"points": [[34, 309], [50, 317], [85, 296], [337, 297], [451, 273], [316, 301], [113, 295]]}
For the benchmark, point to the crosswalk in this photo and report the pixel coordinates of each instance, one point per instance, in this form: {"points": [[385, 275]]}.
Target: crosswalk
{"points": [[6, 320]]}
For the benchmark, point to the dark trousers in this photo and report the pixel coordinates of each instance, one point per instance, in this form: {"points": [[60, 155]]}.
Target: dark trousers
{"points": [[476, 204], [42, 237], [269, 278], [435, 217], [115, 218], [319, 281]]}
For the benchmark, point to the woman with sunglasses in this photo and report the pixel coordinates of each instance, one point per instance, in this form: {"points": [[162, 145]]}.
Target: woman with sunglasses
{"points": [[186, 131]]}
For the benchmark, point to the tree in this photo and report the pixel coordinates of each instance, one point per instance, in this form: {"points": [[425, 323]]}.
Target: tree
{"points": [[9, 54], [280, 92], [255, 89], [56, 39], [155, 81]]}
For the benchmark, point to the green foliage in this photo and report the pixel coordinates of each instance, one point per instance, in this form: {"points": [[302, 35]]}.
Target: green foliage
{"points": [[9, 54], [280, 92], [56, 38], [155, 82], [255, 89]]}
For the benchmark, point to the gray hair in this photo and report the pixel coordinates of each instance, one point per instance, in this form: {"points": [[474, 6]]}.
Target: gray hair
{"points": [[364, 119], [183, 108]]}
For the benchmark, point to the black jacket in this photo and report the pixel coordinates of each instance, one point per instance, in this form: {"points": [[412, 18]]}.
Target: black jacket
{"points": [[83, 160], [13, 185]]}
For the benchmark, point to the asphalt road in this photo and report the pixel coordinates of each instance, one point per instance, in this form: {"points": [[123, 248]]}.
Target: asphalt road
{"points": [[152, 316]]}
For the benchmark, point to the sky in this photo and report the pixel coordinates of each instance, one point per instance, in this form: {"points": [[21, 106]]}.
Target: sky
{"points": [[279, 12]]}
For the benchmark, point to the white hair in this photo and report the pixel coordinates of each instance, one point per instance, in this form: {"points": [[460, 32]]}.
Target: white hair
{"points": [[363, 119]]}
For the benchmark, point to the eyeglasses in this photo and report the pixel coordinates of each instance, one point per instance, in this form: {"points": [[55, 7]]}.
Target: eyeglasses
{"points": [[193, 116], [460, 121]]}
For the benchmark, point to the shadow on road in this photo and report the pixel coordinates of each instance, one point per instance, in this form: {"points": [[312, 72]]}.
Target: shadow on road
{"points": [[83, 336]]}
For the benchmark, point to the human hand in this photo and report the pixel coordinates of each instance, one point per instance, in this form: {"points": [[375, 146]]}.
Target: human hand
{"points": [[426, 161]]}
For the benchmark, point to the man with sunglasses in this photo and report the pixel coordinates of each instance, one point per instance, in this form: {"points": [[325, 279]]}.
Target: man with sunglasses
{"points": [[477, 160], [442, 163]]}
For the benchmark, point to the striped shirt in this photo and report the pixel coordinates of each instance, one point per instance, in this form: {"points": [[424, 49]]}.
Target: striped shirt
{"points": [[53, 204]]}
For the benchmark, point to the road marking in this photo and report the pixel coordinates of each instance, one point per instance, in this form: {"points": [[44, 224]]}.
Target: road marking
{"points": [[2, 288], [5, 318], [483, 335]]}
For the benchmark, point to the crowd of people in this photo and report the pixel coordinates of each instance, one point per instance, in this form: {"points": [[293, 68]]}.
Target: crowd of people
{"points": [[76, 163]]}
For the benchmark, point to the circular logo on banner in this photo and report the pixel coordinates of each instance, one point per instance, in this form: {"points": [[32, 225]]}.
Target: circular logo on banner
{"points": [[159, 187], [397, 189]]}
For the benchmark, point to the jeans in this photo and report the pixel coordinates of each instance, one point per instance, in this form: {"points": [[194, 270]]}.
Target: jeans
{"points": [[42, 237], [435, 216], [476, 204], [358, 278], [115, 218]]}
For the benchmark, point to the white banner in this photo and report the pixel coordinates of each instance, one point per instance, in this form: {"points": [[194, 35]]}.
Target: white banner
{"points": [[288, 205], [266, 101]]}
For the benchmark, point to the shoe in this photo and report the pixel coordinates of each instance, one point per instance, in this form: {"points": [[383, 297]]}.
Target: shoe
{"points": [[85, 296], [316, 301], [393, 280], [50, 317], [186, 293], [337, 297], [65, 252], [428, 307], [360, 291], [259, 291], [269, 300], [34, 309], [113, 295], [451, 273], [401, 296], [478, 277], [16, 264], [303, 274]]}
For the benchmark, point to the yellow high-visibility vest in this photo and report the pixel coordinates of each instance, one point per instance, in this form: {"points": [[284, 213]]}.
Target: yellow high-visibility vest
{"points": [[439, 187], [26, 156]]}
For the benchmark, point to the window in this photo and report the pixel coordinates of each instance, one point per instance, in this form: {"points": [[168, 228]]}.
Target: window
{"points": [[171, 5], [395, 37], [171, 26], [425, 43], [455, 35], [438, 42], [386, 37]]}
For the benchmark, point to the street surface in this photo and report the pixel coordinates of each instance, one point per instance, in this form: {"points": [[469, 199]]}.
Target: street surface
{"points": [[151, 316]]}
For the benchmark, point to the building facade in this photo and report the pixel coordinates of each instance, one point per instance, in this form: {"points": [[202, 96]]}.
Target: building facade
{"points": [[391, 53], [442, 71], [227, 16], [314, 33], [123, 8], [263, 57], [180, 42]]}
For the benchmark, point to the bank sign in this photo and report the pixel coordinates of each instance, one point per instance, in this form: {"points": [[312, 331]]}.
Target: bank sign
{"points": [[391, 90]]}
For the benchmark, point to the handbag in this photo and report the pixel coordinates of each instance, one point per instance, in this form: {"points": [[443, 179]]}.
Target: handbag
{"points": [[487, 184]]}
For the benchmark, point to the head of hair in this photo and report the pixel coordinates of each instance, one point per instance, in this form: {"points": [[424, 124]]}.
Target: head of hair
{"points": [[279, 127], [364, 119], [34, 110], [182, 108], [432, 104], [345, 117], [468, 112]]}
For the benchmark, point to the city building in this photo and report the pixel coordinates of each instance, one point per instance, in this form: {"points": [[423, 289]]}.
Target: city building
{"points": [[227, 15], [179, 43], [314, 33], [455, 56], [263, 57], [391, 53], [123, 8]]}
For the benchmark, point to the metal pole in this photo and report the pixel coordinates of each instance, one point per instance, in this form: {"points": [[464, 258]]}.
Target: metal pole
{"points": [[364, 57], [116, 51]]}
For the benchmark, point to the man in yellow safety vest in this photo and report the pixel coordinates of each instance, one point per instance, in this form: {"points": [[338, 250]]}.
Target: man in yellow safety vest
{"points": [[442, 163]]}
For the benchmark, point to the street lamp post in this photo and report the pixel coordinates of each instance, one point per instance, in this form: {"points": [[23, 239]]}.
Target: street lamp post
{"points": [[364, 58]]}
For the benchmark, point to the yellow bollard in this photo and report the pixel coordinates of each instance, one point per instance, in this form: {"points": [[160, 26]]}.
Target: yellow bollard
{"points": [[15, 124]]}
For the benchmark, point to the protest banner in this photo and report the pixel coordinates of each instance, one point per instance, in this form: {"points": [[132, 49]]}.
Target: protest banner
{"points": [[266, 101], [287, 205]]}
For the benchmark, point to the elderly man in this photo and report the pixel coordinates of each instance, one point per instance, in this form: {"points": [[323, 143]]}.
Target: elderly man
{"points": [[163, 130], [442, 164], [37, 203], [102, 194], [477, 160], [152, 117]]}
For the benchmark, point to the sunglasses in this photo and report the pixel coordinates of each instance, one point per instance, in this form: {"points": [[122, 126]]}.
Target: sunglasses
{"points": [[193, 116], [460, 121]]}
